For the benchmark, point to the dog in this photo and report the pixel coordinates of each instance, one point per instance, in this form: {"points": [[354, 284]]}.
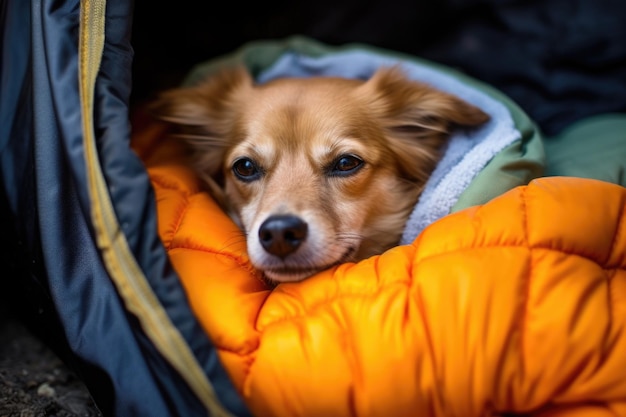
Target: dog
{"points": [[315, 171]]}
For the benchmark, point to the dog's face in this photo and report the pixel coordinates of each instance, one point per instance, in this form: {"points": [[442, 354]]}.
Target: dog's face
{"points": [[315, 171]]}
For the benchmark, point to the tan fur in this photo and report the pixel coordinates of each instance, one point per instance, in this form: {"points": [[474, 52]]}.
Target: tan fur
{"points": [[295, 131]]}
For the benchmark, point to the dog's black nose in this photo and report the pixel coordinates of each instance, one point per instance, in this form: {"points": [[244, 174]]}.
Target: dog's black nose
{"points": [[282, 234]]}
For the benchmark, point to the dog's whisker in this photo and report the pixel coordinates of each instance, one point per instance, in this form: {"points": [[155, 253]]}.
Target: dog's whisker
{"points": [[235, 240]]}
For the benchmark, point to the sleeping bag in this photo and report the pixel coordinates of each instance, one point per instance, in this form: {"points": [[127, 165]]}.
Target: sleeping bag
{"points": [[500, 308]]}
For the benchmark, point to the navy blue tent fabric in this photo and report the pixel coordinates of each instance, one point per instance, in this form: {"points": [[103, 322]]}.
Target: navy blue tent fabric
{"points": [[48, 235]]}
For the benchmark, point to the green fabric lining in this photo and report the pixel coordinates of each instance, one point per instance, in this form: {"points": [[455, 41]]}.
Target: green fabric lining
{"points": [[591, 148]]}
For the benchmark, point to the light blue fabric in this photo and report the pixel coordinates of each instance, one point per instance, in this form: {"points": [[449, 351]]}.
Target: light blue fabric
{"points": [[468, 150]]}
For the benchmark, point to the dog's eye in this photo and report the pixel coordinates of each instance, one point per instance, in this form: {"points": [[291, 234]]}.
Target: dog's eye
{"points": [[346, 165], [246, 170]]}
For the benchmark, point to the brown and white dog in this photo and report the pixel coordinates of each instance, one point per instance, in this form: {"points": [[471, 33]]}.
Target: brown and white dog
{"points": [[315, 171]]}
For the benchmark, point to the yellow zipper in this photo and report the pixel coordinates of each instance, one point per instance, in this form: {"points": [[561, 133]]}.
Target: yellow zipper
{"points": [[118, 258]]}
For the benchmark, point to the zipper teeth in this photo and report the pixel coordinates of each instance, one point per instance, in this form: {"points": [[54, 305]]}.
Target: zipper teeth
{"points": [[118, 259]]}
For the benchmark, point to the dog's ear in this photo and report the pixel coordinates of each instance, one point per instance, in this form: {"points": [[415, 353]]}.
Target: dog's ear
{"points": [[417, 118], [205, 115]]}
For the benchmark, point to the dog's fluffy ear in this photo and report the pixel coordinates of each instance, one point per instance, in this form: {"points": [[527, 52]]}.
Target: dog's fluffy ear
{"points": [[417, 118], [204, 116]]}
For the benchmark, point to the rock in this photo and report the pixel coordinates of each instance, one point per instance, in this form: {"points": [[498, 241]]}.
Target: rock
{"points": [[45, 390]]}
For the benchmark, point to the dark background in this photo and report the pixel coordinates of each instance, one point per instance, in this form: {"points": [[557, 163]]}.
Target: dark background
{"points": [[561, 60]]}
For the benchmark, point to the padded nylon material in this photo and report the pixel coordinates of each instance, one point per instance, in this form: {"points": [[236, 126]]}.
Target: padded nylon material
{"points": [[515, 306]]}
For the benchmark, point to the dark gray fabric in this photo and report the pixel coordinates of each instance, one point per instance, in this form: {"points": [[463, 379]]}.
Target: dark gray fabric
{"points": [[560, 60]]}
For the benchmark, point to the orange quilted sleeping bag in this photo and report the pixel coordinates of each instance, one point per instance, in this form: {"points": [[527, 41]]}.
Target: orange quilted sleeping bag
{"points": [[517, 306]]}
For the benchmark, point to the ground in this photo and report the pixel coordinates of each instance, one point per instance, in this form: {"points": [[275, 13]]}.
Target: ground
{"points": [[34, 382]]}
